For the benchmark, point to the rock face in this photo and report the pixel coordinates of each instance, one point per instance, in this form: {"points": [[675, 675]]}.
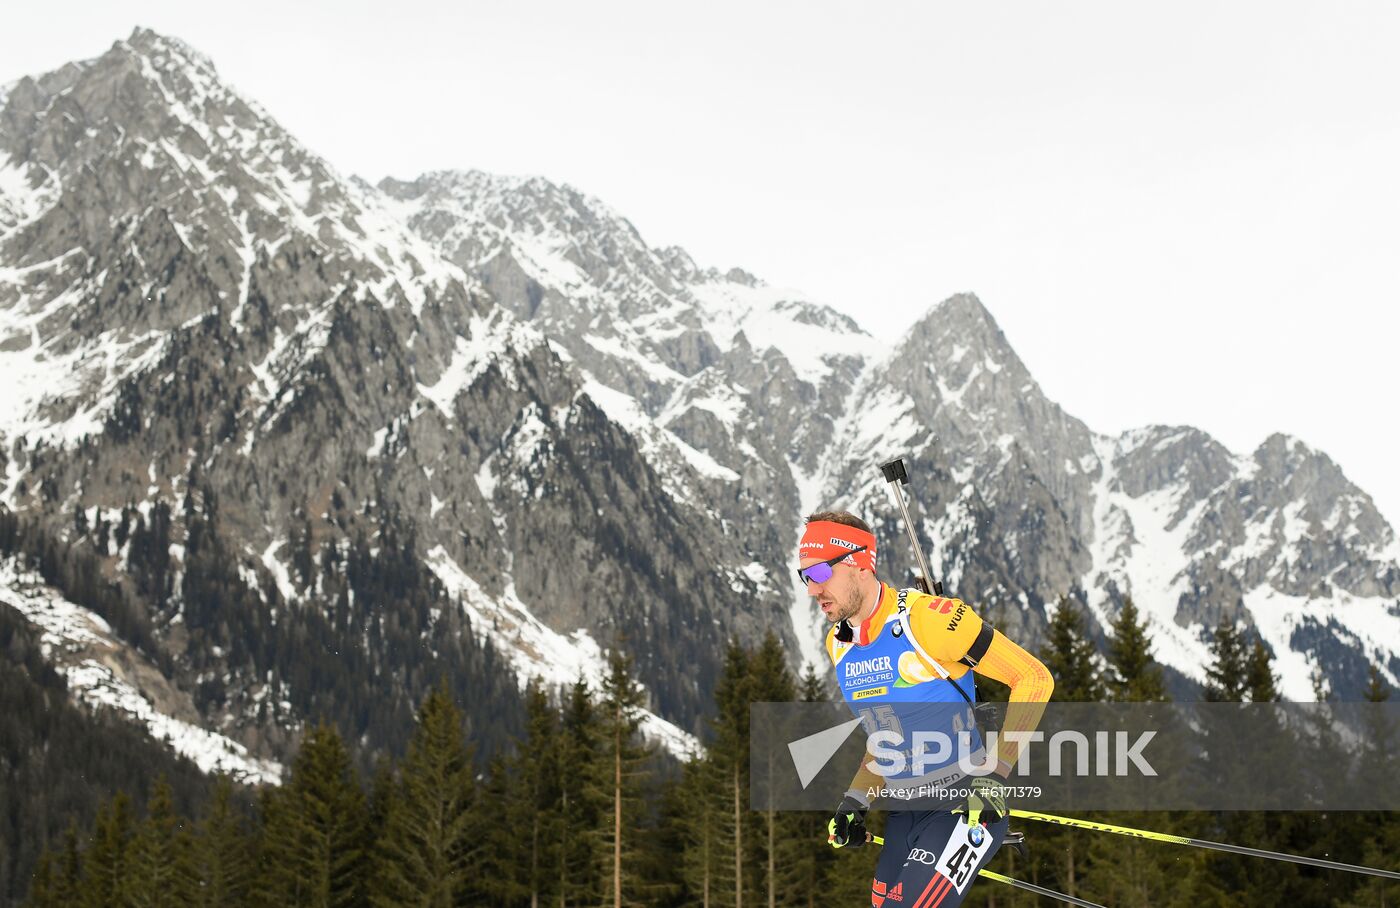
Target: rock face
{"points": [[197, 310], [1020, 502], [493, 393]]}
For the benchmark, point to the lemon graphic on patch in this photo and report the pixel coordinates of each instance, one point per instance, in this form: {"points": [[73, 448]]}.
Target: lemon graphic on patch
{"points": [[912, 670]]}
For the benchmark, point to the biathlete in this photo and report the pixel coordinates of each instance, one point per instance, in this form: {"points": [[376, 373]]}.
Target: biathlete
{"points": [[904, 660]]}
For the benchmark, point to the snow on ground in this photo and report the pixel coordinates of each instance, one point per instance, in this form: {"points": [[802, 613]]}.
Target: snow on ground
{"points": [[543, 256], [537, 650], [278, 570], [952, 397], [1133, 545], [288, 353], [1277, 615], [37, 378], [1373, 620], [492, 339], [768, 317], [20, 203], [884, 422], [702, 391], [628, 413], [615, 348], [82, 647]]}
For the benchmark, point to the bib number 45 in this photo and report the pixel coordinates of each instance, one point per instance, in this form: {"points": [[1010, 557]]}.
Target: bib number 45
{"points": [[960, 856]]}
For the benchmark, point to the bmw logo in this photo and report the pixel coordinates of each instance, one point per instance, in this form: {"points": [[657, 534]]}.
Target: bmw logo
{"points": [[975, 835]]}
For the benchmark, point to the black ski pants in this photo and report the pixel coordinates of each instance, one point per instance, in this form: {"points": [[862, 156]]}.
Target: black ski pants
{"points": [[906, 875]]}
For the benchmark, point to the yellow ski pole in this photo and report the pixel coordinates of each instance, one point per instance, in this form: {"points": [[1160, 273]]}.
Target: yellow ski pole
{"points": [[1202, 843]]}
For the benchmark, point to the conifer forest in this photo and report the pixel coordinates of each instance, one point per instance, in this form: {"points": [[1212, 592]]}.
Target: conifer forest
{"points": [[577, 809]]}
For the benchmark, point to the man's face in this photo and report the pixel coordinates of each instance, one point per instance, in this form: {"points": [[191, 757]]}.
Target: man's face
{"points": [[839, 598]]}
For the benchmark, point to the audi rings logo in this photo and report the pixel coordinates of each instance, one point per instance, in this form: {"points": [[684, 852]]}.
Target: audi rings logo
{"points": [[923, 857]]}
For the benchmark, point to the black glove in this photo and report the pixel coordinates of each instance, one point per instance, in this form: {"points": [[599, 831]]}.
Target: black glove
{"points": [[987, 801], [847, 827]]}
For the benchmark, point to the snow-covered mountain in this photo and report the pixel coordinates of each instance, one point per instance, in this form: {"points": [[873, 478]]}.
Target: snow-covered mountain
{"points": [[335, 437], [1024, 502], [204, 328]]}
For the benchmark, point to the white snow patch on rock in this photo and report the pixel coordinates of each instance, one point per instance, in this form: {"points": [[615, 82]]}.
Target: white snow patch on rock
{"points": [[82, 647], [1133, 545], [630, 415], [280, 575], [538, 651]]}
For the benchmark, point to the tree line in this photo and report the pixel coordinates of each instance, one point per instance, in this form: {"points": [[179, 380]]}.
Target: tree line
{"points": [[1120, 871], [583, 811]]}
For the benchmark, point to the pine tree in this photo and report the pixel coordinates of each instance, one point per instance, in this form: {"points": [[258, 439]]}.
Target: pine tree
{"points": [[383, 792], [1260, 682], [1133, 676], [533, 799], [69, 877], [223, 852], [770, 681], [580, 848], [1118, 870], [163, 872], [1382, 827], [43, 884], [1378, 748], [623, 753], [1242, 671], [313, 850], [1071, 657], [57, 878], [730, 752], [496, 875], [1226, 680], [424, 855], [703, 829], [802, 858], [716, 785], [108, 859]]}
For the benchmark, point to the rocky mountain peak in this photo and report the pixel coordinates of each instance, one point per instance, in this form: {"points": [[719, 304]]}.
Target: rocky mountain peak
{"points": [[167, 52], [523, 204], [199, 309], [679, 262], [740, 276], [959, 325]]}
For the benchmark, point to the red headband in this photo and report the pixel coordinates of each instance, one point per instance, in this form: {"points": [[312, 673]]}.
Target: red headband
{"points": [[826, 539]]}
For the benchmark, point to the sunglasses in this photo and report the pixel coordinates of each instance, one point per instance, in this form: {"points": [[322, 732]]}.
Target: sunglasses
{"points": [[821, 571]]}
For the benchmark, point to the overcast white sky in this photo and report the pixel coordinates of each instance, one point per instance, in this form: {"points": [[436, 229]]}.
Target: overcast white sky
{"points": [[1188, 213]]}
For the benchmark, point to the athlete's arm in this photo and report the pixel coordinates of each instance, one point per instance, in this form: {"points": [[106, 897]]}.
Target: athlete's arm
{"points": [[1030, 684], [949, 630], [866, 786]]}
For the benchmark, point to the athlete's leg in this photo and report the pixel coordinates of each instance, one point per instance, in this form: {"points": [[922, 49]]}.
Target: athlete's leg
{"points": [[941, 862], [898, 841]]}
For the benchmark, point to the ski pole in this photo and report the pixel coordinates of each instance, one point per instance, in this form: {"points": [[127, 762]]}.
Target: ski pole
{"points": [[1038, 890], [896, 476], [1029, 887], [1202, 843]]}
